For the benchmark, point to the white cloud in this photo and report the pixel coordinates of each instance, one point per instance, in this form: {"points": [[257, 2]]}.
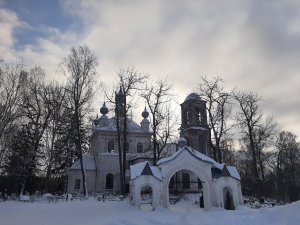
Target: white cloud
{"points": [[253, 44], [8, 23]]}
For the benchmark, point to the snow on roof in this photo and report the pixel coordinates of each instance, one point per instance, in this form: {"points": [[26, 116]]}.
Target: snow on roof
{"points": [[88, 163], [233, 172], [132, 126], [137, 169], [231, 169], [195, 153], [156, 172]]}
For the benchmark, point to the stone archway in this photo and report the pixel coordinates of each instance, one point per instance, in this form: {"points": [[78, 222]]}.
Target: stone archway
{"points": [[205, 184], [186, 186], [228, 201]]}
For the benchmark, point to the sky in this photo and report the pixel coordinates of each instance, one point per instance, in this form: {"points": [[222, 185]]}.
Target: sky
{"points": [[254, 45]]}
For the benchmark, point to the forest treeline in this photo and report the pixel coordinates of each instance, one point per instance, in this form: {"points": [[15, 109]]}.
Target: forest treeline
{"points": [[45, 126]]}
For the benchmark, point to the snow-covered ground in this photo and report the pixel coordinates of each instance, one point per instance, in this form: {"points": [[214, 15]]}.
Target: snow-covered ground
{"points": [[92, 212]]}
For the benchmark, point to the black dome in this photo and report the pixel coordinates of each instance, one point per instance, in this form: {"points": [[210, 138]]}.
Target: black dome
{"points": [[145, 113], [104, 109], [193, 96]]}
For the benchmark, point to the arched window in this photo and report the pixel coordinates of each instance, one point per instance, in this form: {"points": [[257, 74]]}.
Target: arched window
{"points": [[109, 181], [186, 181], [139, 148], [111, 146], [187, 117], [198, 115]]}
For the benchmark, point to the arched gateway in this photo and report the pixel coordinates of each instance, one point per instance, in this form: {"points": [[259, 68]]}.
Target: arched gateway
{"points": [[185, 159], [213, 177], [191, 157]]}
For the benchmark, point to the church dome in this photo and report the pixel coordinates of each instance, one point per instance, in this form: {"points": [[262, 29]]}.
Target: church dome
{"points": [[96, 122], [145, 113], [104, 109], [193, 96], [182, 142]]}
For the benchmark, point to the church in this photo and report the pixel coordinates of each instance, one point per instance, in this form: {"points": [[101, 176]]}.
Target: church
{"points": [[189, 172]]}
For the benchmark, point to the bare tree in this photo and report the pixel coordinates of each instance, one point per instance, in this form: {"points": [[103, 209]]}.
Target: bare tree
{"points": [[287, 166], [36, 113], [255, 133], [219, 109], [158, 96], [12, 83], [80, 68], [129, 82], [52, 154], [167, 138]]}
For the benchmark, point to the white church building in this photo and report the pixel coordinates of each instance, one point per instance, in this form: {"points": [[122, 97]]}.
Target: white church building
{"points": [[189, 172]]}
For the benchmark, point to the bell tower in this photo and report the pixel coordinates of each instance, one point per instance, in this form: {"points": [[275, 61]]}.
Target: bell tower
{"points": [[194, 127], [120, 100]]}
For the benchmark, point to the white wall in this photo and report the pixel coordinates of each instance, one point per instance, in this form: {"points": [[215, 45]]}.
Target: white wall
{"points": [[76, 174]]}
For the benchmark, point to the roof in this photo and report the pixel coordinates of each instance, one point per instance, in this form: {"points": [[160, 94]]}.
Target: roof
{"points": [[132, 126], [144, 168], [226, 171], [193, 96], [234, 172], [218, 170], [194, 153], [88, 163]]}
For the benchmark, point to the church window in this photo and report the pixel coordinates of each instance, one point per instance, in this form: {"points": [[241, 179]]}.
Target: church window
{"points": [[77, 184], [198, 115], [186, 181], [111, 146], [139, 148], [109, 181], [187, 117]]}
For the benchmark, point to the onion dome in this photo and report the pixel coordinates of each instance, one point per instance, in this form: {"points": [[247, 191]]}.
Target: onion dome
{"points": [[182, 142], [104, 109], [145, 113], [96, 121]]}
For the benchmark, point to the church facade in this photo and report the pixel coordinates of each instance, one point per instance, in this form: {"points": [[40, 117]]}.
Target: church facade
{"points": [[102, 164], [188, 171]]}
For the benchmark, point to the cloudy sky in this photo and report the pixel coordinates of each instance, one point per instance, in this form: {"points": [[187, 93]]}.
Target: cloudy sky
{"points": [[254, 45]]}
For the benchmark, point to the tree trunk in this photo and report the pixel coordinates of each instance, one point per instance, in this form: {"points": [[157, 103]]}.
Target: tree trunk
{"points": [[154, 140], [79, 149], [125, 146], [120, 150], [254, 164], [47, 178]]}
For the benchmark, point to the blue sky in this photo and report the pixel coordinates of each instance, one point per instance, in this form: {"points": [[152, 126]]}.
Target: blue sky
{"points": [[253, 44], [38, 14]]}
